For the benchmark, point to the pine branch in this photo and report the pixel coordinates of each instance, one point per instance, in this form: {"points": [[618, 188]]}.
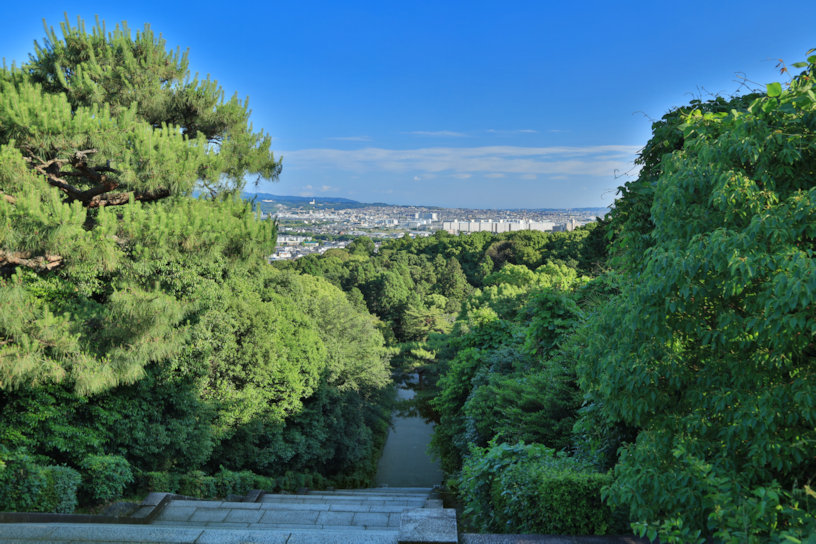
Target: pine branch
{"points": [[117, 199], [95, 196], [40, 263]]}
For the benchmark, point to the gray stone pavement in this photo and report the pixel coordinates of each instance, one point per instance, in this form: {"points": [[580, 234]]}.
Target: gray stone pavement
{"points": [[375, 516], [352, 516], [151, 534]]}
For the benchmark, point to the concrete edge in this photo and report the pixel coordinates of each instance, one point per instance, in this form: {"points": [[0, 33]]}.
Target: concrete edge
{"points": [[428, 525], [156, 499], [152, 500], [254, 495]]}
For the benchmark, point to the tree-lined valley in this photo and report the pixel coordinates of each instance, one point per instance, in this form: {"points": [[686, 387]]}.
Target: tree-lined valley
{"points": [[652, 371]]}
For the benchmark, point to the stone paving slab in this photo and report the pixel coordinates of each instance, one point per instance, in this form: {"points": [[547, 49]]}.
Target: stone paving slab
{"points": [[91, 532], [25, 530], [368, 519], [353, 507], [292, 506], [289, 516], [218, 536], [195, 504], [322, 538], [162, 534], [335, 518], [342, 507], [203, 515], [176, 513], [290, 527], [339, 498], [244, 516], [241, 505], [426, 525], [393, 508]]}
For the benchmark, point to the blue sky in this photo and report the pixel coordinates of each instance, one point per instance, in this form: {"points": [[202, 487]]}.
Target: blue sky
{"points": [[463, 104]]}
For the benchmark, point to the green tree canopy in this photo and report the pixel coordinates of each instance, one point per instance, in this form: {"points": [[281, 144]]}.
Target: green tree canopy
{"points": [[709, 348]]}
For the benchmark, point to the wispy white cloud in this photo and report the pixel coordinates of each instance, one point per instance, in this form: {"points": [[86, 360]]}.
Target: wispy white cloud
{"points": [[310, 190], [486, 161], [501, 132], [437, 133], [350, 138]]}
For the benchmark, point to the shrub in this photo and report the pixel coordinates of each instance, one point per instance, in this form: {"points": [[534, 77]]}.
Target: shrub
{"points": [[197, 484], [59, 492], [228, 482], [167, 482], [26, 486], [532, 489], [105, 477], [551, 500], [19, 484]]}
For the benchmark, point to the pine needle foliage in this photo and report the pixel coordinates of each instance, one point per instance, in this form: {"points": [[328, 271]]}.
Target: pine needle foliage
{"points": [[142, 325]]}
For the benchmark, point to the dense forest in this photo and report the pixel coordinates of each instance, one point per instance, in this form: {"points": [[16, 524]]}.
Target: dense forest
{"points": [[651, 371], [145, 343]]}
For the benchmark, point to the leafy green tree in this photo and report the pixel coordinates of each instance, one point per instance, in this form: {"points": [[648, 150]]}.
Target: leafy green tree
{"points": [[139, 323], [708, 350], [452, 283], [356, 357], [512, 274], [361, 246]]}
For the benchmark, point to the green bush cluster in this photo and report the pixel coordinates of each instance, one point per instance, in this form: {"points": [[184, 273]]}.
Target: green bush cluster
{"points": [[148, 323], [26, 486], [225, 482], [686, 369], [105, 477], [529, 488]]}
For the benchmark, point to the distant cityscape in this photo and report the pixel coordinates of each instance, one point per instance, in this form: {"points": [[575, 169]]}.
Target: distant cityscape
{"points": [[307, 226]]}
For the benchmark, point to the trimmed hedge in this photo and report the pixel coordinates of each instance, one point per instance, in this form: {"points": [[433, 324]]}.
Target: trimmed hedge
{"points": [[532, 489], [105, 477], [548, 500], [226, 482], [159, 481], [26, 486], [59, 494]]}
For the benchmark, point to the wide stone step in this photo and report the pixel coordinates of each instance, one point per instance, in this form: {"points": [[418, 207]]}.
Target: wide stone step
{"points": [[347, 506], [147, 534], [379, 491], [287, 515], [315, 497]]}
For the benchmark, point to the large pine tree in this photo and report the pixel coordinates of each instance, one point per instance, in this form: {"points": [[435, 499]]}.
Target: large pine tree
{"points": [[94, 121]]}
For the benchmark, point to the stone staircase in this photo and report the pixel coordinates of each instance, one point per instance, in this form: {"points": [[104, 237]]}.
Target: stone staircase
{"points": [[366, 516]]}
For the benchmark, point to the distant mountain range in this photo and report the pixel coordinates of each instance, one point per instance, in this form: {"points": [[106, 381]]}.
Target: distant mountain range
{"points": [[299, 199], [339, 202]]}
